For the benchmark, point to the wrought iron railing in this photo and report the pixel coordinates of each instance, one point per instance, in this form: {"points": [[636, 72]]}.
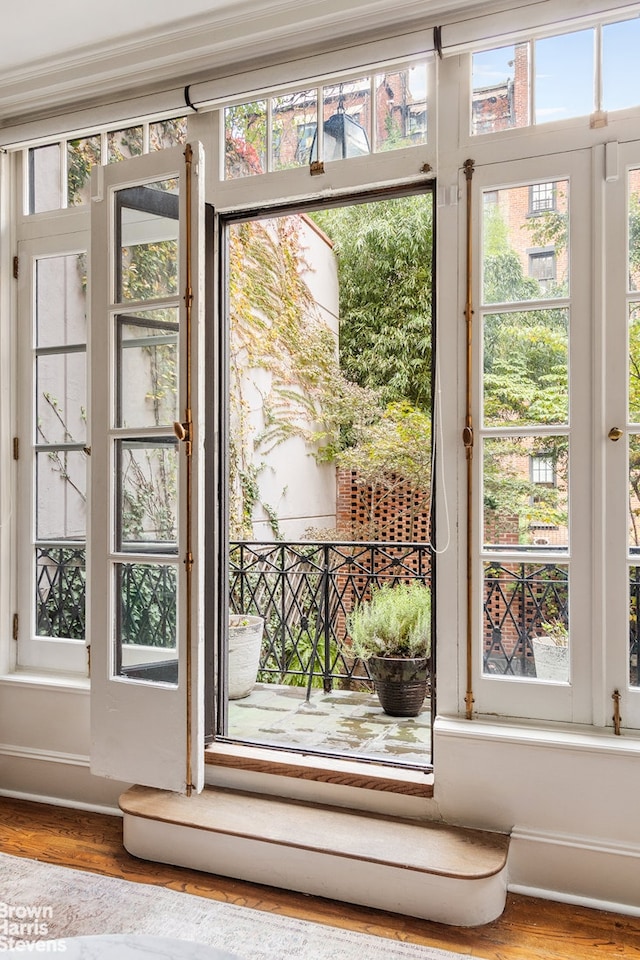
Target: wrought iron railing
{"points": [[305, 591], [634, 626], [518, 599]]}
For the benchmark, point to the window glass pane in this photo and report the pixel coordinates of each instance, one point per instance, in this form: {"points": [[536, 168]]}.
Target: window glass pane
{"points": [[347, 119], [82, 155], [146, 622], [634, 362], [147, 489], [521, 224], [401, 108], [61, 495], [526, 619], [500, 89], [147, 372], [167, 133], [526, 367], [518, 510], [61, 300], [620, 65], [245, 130], [60, 592], [293, 119], [634, 229], [45, 178], [564, 84], [148, 256], [61, 398], [634, 493], [123, 144]]}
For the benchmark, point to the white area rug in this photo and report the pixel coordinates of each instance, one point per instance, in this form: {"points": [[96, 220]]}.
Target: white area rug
{"points": [[46, 902]]}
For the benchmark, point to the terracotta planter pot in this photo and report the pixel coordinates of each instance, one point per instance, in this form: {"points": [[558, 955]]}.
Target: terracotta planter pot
{"points": [[401, 684]]}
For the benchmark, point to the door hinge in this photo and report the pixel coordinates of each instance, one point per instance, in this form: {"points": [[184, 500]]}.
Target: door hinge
{"points": [[14, 629], [16, 267], [89, 660], [16, 448]]}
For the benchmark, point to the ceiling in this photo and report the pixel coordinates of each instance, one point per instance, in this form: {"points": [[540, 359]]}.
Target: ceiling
{"points": [[41, 32], [57, 58]]}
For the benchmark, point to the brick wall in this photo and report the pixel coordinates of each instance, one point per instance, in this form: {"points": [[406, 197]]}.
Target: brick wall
{"points": [[397, 512]]}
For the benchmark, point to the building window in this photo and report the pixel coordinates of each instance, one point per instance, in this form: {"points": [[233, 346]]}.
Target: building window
{"points": [[542, 469], [542, 267], [542, 197]]}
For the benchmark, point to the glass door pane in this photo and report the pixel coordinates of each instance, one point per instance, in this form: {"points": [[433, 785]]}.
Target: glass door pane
{"points": [[530, 449], [147, 445]]}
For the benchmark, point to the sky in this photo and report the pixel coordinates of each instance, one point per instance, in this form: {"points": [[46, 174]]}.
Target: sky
{"points": [[565, 70]]}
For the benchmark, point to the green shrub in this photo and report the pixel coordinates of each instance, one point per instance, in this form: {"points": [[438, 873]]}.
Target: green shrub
{"points": [[395, 622]]}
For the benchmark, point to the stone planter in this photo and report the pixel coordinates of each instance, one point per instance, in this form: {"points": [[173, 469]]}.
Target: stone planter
{"points": [[401, 683], [551, 660], [245, 643]]}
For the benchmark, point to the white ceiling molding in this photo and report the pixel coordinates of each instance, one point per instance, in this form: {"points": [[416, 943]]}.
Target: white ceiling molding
{"points": [[244, 46], [244, 33]]}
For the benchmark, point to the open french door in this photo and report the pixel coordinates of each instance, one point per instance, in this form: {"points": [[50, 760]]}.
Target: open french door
{"points": [[145, 567]]}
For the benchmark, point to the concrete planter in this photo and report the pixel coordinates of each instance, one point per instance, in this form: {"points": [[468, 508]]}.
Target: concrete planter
{"points": [[401, 683], [551, 660], [245, 643]]}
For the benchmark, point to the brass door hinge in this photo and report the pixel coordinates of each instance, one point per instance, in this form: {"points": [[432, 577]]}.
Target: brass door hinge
{"points": [[16, 448], [89, 660], [14, 628], [16, 267]]}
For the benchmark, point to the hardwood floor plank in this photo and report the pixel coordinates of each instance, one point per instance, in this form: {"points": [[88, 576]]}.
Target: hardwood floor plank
{"points": [[529, 929]]}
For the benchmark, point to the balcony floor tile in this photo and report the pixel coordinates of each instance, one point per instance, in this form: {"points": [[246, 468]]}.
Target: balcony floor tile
{"points": [[344, 722]]}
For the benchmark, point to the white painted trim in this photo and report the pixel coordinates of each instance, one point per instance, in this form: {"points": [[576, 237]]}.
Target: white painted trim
{"points": [[491, 29], [48, 756], [583, 843], [57, 802], [590, 902], [572, 869], [557, 736], [36, 681]]}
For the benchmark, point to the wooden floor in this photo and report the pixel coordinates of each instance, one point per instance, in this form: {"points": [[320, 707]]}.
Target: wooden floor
{"points": [[529, 929]]}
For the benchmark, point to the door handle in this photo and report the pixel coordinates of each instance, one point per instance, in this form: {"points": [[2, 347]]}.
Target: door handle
{"points": [[615, 433]]}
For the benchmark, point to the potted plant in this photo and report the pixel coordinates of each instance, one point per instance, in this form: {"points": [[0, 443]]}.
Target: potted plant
{"points": [[551, 651], [391, 632], [245, 644]]}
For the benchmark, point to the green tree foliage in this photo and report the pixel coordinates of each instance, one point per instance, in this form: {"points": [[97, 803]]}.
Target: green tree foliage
{"points": [[384, 254], [525, 381]]}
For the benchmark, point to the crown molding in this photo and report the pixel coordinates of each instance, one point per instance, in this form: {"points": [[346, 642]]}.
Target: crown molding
{"points": [[203, 47]]}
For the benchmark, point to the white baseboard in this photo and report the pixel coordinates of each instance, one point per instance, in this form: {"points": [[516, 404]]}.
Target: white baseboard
{"points": [[607, 905], [60, 802], [50, 756], [601, 874], [52, 776]]}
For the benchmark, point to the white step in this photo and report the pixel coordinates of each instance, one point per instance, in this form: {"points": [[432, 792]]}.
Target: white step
{"points": [[418, 868]]}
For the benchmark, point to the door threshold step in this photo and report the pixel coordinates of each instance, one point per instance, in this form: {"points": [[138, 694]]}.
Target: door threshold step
{"points": [[418, 868]]}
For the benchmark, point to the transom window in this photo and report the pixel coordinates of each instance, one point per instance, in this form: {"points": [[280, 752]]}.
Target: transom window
{"points": [[367, 114], [59, 172], [554, 78]]}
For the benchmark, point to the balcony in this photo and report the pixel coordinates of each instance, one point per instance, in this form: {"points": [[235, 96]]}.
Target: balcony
{"points": [[311, 695]]}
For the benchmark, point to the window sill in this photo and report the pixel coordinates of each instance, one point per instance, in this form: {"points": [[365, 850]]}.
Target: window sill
{"points": [[559, 736], [32, 679], [347, 773]]}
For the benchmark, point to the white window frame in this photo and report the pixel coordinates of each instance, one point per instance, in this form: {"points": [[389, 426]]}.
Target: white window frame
{"points": [[521, 696], [35, 652]]}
